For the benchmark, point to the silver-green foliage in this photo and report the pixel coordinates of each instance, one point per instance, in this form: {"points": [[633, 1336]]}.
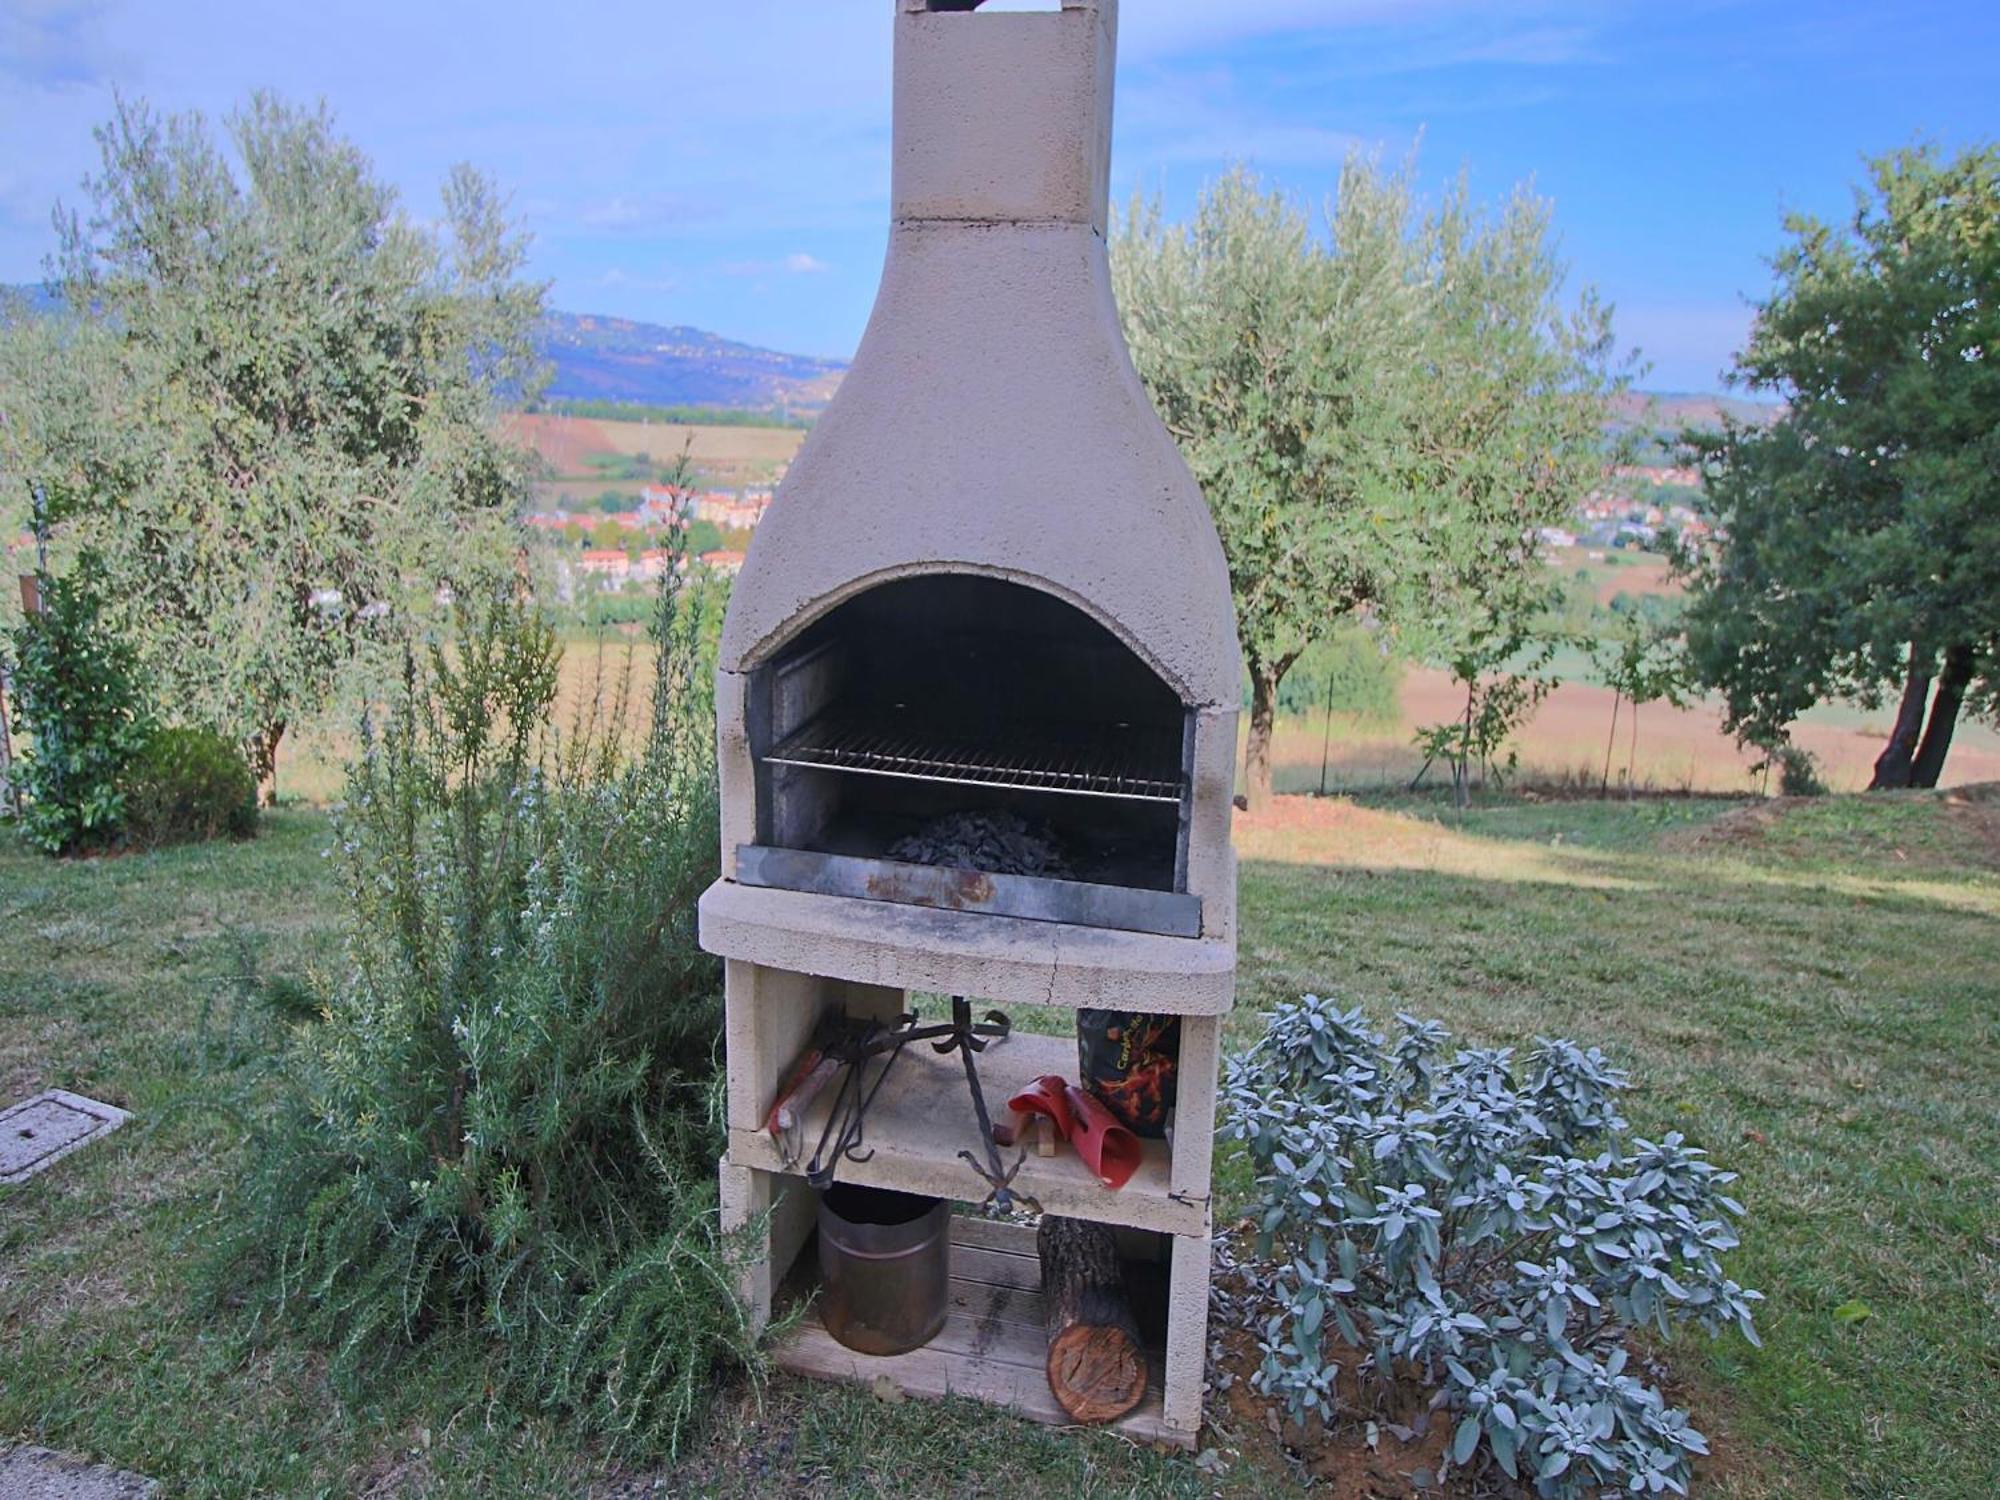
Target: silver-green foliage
{"points": [[1489, 1224], [502, 1116], [1381, 406], [272, 409]]}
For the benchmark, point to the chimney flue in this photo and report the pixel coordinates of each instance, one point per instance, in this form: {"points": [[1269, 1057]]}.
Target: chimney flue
{"points": [[1003, 117]]}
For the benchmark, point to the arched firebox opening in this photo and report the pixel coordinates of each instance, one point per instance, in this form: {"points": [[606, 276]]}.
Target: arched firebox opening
{"points": [[952, 725]]}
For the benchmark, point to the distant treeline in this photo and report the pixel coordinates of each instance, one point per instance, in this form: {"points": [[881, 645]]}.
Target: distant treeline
{"points": [[684, 416]]}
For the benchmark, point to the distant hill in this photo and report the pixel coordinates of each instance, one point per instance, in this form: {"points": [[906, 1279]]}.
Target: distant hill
{"points": [[1670, 411], [597, 358], [615, 359]]}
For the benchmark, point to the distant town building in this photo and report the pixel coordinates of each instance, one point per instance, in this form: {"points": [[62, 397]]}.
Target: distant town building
{"points": [[1680, 478], [731, 512], [652, 565], [665, 504], [607, 563], [727, 563]]}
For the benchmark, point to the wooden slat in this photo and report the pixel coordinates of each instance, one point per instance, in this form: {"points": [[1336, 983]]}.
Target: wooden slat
{"points": [[994, 1234], [996, 1268], [992, 1348]]}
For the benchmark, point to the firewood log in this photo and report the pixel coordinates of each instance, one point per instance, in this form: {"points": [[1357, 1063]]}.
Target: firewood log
{"points": [[1097, 1365]]}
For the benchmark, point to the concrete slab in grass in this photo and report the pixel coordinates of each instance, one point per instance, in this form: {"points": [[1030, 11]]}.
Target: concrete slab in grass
{"points": [[37, 1133], [43, 1474]]}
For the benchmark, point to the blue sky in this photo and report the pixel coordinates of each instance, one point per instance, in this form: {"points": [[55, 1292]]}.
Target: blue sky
{"points": [[725, 162]]}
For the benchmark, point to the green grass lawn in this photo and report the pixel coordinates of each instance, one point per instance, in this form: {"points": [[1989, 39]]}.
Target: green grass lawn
{"points": [[1813, 992]]}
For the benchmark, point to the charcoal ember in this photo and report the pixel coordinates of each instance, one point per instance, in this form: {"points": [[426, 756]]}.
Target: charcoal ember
{"points": [[995, 843]]}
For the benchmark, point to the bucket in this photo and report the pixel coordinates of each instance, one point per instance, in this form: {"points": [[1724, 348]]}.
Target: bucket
{"points": [[885, 1267]]}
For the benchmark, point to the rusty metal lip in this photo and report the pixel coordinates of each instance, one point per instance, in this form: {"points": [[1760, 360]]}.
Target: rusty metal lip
{"points": [[1035, 898], [56, 1107]]}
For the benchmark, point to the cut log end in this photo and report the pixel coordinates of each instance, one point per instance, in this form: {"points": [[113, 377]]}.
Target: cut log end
{"points": [[1097, 1365], [1097, 1374]]}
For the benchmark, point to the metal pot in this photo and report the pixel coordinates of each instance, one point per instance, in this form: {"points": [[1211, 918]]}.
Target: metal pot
{"points": [[885, 1267]]}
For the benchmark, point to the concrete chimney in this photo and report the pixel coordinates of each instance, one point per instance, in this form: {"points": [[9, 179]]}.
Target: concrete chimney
{"points": [[1004, 117]]}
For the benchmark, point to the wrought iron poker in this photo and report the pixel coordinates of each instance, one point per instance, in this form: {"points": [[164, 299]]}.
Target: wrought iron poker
{"points": [[843, 1136]]}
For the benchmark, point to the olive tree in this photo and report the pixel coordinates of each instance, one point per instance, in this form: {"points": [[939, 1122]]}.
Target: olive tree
{"points": [[297, 453], [1382, 407]]}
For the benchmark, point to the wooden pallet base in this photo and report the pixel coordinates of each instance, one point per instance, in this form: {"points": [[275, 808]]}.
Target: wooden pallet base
{"points": [[992, 1348]]}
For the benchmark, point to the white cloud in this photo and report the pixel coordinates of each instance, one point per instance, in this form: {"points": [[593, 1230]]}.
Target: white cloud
{"points": [[1260, 143], [643, 213], [620, 279], [1158, 28], [798, 263], [53, 44]]}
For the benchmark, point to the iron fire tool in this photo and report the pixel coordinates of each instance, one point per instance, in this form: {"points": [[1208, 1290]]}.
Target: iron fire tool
{"points": [[849, 1049], [971, 1038]]}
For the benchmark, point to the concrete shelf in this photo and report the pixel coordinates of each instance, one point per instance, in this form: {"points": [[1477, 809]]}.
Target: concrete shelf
{"points": [[923, 1118], [1008, 960]]}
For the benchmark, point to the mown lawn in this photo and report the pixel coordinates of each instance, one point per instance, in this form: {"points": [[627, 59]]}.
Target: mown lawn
{"points": [[1811, 991]]}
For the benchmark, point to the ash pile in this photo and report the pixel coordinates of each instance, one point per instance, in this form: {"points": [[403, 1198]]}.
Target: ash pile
{"points": [[994, 843]]}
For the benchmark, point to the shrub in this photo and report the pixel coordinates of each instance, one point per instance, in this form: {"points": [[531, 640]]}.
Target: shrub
{"points": [[187, 786], [78, 696], [1798, 773], [1490, 1230], [504, 1115], [1350, 670]]}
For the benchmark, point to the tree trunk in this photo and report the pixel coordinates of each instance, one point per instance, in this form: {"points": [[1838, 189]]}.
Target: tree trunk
{"points": [[1610, 743], [264, 760], [1951, 686], [1257, 749], [1632, 757], [1461, 786], [1097, 1365], [1893, 766], [1326, 739]]}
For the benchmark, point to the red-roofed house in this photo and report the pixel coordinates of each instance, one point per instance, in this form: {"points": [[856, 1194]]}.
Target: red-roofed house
{"points": [[727, 563], [607, 563]]}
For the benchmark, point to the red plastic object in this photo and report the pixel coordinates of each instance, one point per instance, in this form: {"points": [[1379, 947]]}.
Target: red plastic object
{"points": [[1107, 1147], [1110, 1150], [1047, 1095]]}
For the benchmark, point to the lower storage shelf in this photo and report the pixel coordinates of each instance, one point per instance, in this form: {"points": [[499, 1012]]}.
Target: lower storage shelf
{"points": [[993, 1346]]}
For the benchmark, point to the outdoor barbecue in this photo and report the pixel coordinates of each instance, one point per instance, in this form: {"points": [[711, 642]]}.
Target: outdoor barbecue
{"points": [[977, 745]]}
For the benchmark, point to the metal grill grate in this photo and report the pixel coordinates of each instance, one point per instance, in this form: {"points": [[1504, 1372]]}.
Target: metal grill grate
{"points": [[1135, 765]]}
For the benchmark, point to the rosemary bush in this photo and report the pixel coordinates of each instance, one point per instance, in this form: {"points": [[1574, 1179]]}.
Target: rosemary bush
{"points": [[502, 1117], [1486, 1228]]}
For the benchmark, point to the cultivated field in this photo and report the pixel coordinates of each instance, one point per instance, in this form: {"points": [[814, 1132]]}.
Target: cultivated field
{"points": [[732, 455], [1620, 573], [1679, 750], [1807, 989]]}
